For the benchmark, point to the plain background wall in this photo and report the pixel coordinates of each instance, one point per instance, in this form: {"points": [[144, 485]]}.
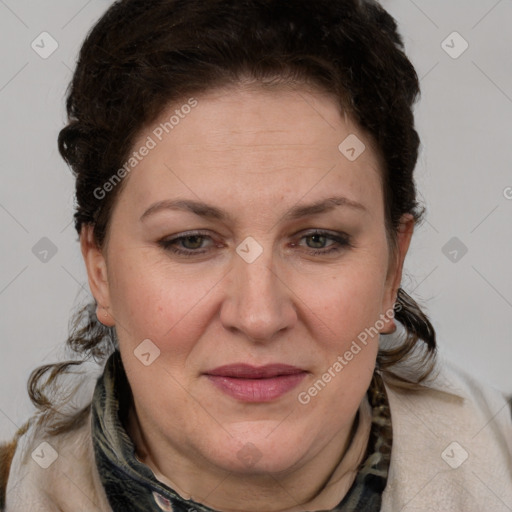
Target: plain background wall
{"points": [[464, 176]]}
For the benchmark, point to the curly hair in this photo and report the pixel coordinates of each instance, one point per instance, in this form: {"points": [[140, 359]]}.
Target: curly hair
{"points": [[140, 57]]}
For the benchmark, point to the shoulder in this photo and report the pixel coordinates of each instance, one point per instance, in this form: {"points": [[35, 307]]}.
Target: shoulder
{"points": [[55, 472], [452, 445]]}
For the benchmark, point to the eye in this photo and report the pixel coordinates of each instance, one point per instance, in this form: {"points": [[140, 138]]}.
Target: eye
{"points": [[193, 243], [186, 245], [196, 241], [319, 238]]}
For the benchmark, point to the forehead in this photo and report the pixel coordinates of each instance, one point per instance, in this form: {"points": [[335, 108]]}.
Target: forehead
{"points": [[255, 144]]}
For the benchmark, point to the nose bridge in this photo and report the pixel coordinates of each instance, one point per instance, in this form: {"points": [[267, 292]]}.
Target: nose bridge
{"points": [[258, 281], [260, 304]]}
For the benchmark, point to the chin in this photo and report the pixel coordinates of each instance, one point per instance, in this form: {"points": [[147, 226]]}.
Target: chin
{"points": [[257, 454], [254, 462]]}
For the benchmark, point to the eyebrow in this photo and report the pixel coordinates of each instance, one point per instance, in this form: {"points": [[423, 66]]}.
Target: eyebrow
{"points": [[212, 212]]}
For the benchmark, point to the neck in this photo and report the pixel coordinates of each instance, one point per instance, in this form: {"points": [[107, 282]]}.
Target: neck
{"points": [[290, 491]]}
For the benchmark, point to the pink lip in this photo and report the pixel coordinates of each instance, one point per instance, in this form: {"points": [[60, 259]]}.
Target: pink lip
{"points": [[256, 384]]}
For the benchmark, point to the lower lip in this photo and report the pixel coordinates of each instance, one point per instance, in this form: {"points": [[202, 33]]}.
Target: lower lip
{"points": [[257, 390]]}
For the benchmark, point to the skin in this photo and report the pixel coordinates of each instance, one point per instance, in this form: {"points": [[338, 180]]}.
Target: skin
{"points": [[255, 153]]}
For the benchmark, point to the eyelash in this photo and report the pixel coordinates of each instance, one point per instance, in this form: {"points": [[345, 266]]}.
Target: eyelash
{"points": [[342, 241]]}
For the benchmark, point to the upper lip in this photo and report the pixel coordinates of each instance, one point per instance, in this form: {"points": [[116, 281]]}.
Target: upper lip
{"points": [[247, 371]]}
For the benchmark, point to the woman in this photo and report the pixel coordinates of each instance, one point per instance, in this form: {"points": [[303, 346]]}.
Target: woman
{"points": [[245, 203]]}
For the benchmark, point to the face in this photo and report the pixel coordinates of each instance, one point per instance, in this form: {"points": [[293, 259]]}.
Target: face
{"points": [[243, 271]]}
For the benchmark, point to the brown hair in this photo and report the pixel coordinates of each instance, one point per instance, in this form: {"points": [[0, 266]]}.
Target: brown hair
{"points": [[142, 56]]}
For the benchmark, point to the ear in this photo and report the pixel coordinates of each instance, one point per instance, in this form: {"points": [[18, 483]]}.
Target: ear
{"points": [[97, 273], [394, 276]]}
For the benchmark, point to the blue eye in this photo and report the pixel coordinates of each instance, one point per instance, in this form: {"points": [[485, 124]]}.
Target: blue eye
{"points": [[192, 244]]}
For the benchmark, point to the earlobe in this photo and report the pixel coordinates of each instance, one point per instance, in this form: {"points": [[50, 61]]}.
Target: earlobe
{"points": [[97, 274], [404, 235]]}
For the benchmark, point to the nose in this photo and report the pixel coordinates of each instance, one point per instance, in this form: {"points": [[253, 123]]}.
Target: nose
{"points": [[258, 303]]}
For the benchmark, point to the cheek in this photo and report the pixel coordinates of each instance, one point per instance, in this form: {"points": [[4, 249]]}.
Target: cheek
{"points": [[346, 299], [344, 313], [151, 300]]}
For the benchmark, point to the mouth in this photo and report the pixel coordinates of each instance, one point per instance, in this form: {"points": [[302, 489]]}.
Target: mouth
{"points": [[256, 384]]}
